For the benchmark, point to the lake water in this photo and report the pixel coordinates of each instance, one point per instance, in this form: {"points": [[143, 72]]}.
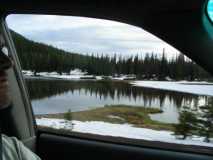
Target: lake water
{"points": [[58, 96]]}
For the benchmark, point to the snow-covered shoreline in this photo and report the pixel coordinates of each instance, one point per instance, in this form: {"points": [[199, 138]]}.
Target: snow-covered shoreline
{"points": [[78, 74], [192, 87], [198, 88], [75, 74], [119, 130]]}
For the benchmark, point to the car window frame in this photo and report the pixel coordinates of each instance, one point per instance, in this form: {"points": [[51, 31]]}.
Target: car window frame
{"points": [[94, 137]]}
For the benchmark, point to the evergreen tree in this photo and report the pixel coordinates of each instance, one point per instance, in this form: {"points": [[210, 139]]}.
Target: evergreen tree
{"points": [[206, 121], [39, 57], [187, 124], [68, 115]]}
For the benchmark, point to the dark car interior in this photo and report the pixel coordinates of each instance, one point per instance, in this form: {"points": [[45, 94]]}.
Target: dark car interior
{"points": [[188, 30]]}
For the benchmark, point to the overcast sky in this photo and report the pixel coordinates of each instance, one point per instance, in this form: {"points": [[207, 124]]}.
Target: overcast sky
{"points": [[88, 35]]}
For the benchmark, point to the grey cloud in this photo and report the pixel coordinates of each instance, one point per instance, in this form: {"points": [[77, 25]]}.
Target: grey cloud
{"points": [[89, 38]]}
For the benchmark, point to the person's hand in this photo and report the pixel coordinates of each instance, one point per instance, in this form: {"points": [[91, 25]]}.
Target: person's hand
{"points": [[4, 90]]}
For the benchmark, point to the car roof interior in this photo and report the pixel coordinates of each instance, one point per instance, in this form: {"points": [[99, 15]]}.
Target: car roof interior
{"points": [[187, 19], [188, 30]]}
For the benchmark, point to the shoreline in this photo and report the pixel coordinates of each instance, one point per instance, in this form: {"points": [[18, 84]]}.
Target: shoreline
{"points": [[117, 114]]}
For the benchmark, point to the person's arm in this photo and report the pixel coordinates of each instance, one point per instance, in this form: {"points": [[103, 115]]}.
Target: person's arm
{"points": [[25, 153], [15, 149]]}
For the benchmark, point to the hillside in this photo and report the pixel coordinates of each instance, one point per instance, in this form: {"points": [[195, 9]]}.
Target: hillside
{"points": [[39, 57]]}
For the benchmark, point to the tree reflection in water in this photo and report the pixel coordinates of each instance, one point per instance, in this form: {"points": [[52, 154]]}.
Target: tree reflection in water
{"points": [[39, 89], [193, 120]]}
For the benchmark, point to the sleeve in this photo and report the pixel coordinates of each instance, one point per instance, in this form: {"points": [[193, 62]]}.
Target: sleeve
{"points": [[15, 149], [25, 153]]}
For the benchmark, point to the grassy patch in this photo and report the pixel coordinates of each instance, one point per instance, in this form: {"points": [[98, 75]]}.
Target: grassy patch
{"points": [[137, 116]]}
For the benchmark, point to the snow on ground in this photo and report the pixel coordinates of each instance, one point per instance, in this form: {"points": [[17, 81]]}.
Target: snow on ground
{"points": [[61, 76], [118, 78], [74, 75], [120, 130], [124, 77], [116, 117], [99, 77], [27, 73], [194, 82], [77, 72], [199, 88], [195, 87]]}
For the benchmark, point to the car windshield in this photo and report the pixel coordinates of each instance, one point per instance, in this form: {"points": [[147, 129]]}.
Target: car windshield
{"points": [[112, 79]]}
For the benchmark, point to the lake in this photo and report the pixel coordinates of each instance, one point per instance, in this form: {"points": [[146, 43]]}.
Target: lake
{"points": [[58, 96]]}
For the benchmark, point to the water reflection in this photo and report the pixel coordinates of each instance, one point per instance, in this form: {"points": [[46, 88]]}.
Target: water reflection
{"points": [[55, 96], [193, 123]]}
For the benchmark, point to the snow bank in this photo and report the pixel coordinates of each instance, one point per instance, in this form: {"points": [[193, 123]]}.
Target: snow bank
{"points": [[118, 78], [77, 72], [124, 77], [66, 77], [27, 72], [199, 88], [120, 130]]}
